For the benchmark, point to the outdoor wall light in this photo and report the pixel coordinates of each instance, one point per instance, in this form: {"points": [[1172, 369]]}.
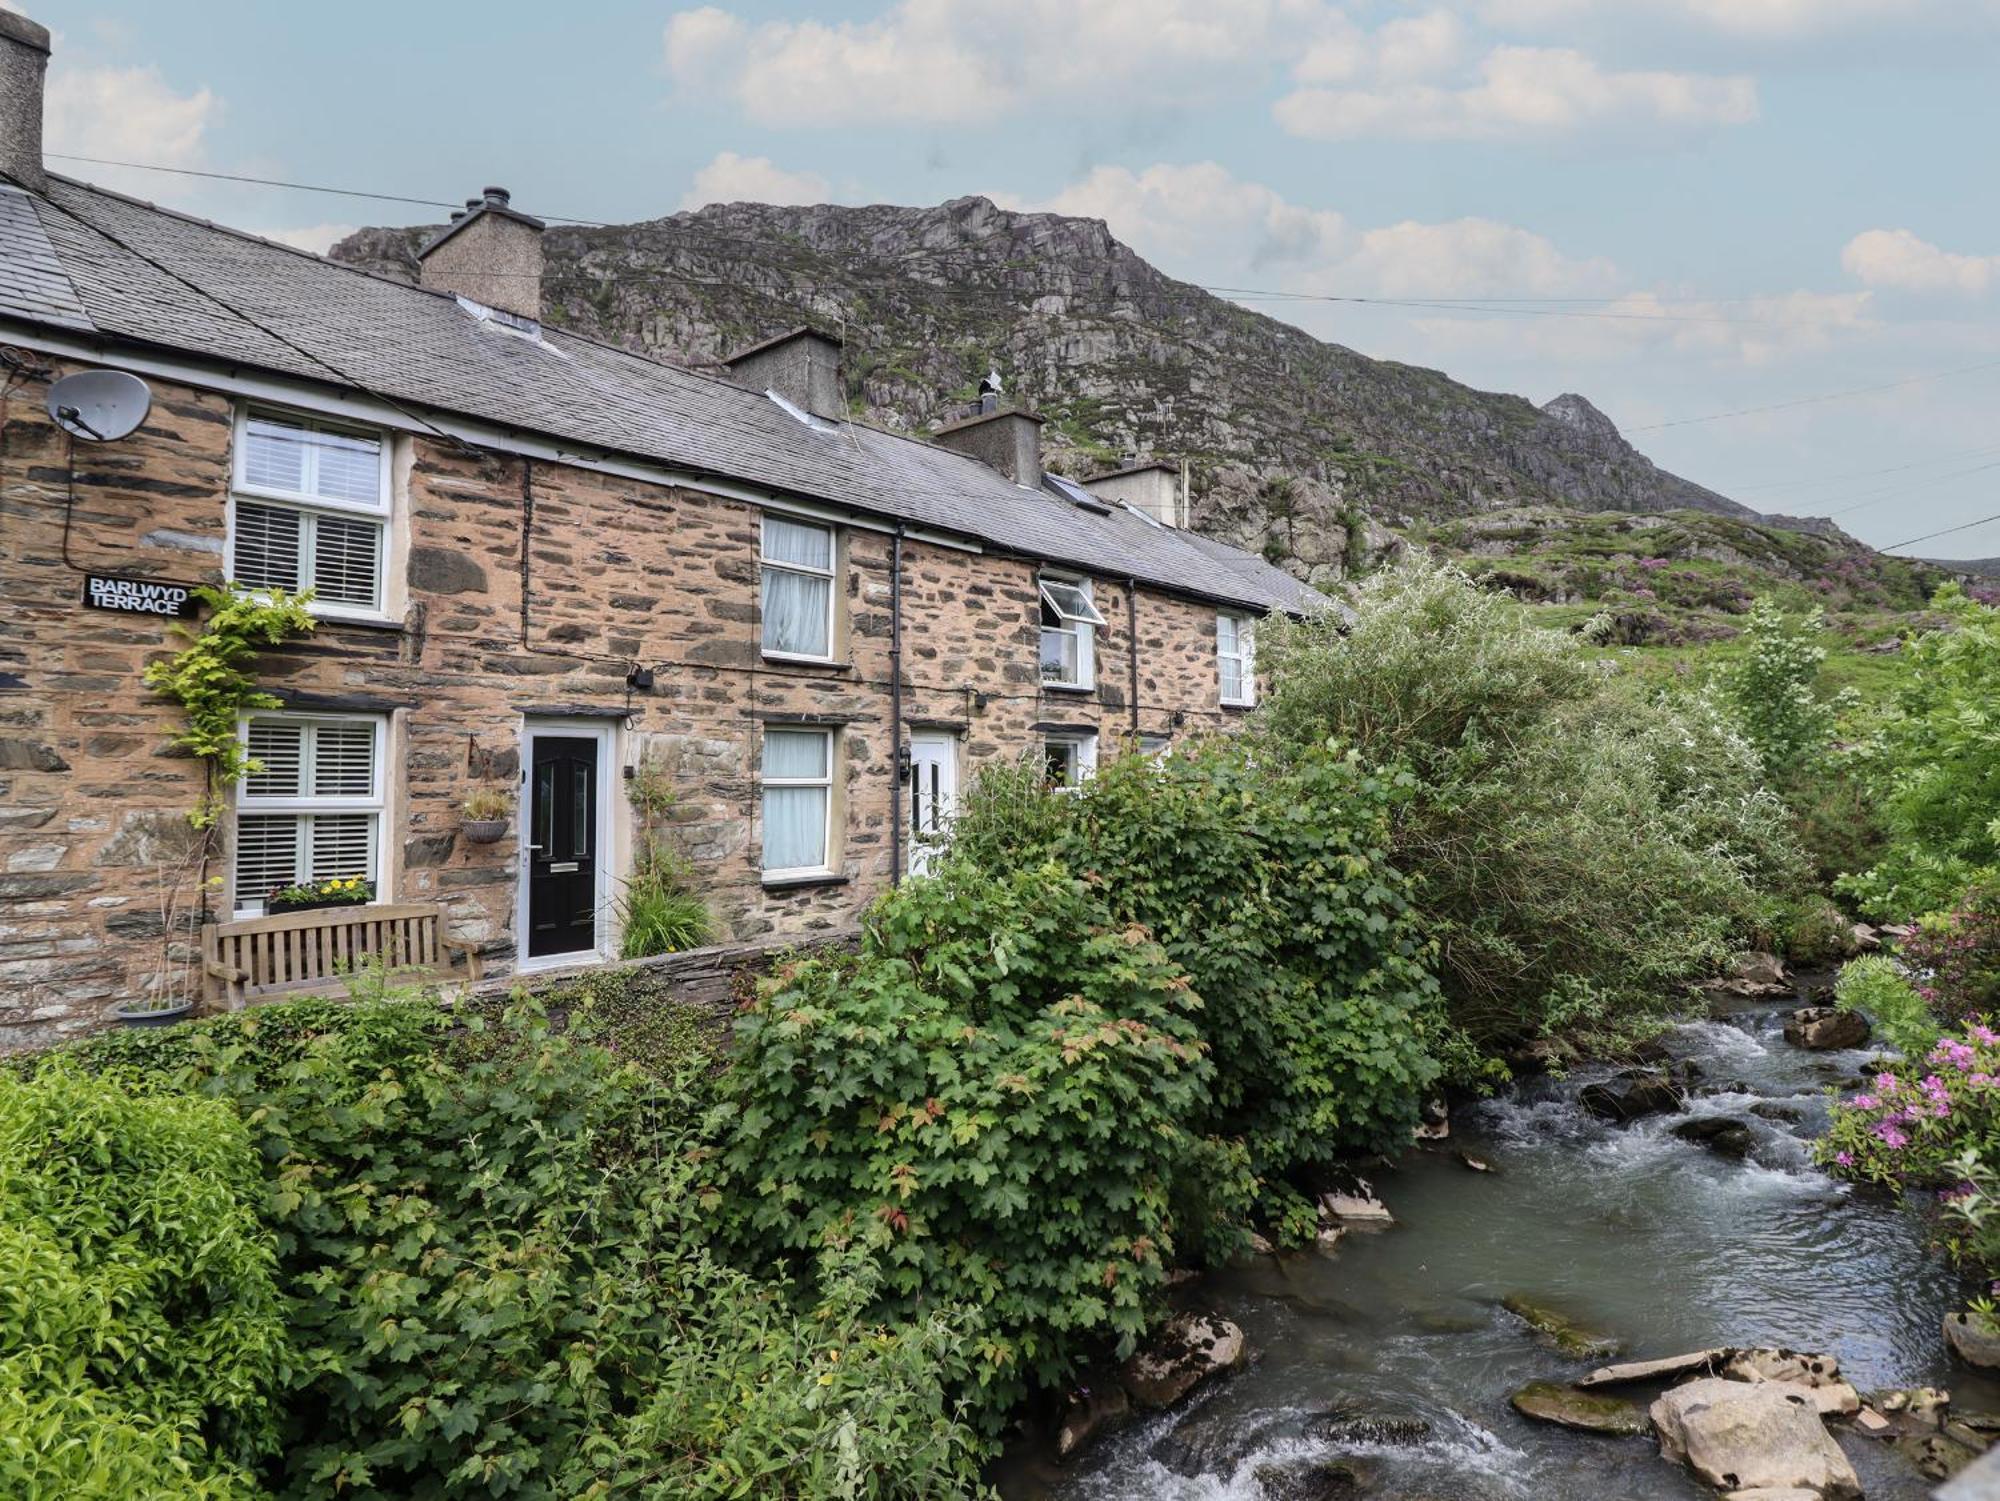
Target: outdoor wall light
{"points": [[639, 677]]}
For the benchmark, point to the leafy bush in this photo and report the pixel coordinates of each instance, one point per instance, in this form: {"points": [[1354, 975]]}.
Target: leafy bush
{"points": [[491, 1236], [1272, 890], [141, 1331], [1876, 986], [1934, 766], [661, 910], [994, 1097], [1956, 955], [1773, 688], [1580, 846]]}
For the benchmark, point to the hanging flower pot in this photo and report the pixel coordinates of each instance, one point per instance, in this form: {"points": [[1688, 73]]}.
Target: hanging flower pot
{"points": [[483, 830], [149, 1013], [485, 815]]}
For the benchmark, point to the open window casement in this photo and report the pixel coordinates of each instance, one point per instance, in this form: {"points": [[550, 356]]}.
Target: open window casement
{"points": [[1069, 624]]}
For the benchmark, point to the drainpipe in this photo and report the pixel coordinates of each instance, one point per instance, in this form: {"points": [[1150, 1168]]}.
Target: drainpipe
{"points": [[1132, 650], [896, 708]]}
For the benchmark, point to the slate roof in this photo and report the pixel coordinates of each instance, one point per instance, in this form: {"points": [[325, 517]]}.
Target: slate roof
{"points": [[84, 258]]}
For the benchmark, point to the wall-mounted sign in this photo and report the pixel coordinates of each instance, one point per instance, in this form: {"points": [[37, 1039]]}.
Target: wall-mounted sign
{"points": [[137, 596]]}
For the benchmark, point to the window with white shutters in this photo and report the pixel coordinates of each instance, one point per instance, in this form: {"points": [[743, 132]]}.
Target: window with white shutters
{"points": [[311, 807], [310, 511]]}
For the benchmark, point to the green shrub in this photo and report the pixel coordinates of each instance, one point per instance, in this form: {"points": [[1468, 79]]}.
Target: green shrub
{"points": [[661, 911], [62, 1439], [1933, 766], [1876, 986], [1272, 890], [139, 1313], [1956, 955], [994, 1096], [1773, 688], [1580, 846], [491, 1234]]}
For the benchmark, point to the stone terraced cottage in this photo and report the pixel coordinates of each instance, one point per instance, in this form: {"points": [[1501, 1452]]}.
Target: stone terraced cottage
{"points": [[539, 563]]}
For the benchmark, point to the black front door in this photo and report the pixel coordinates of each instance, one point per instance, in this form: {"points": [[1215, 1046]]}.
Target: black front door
{"points": [[562, 850]]}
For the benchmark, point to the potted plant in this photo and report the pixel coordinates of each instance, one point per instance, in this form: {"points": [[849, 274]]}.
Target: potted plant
{"points": [[486, 810], [335, 891]]}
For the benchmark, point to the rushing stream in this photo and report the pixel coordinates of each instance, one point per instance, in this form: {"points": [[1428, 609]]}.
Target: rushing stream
{"points": [[1630, 1231]]}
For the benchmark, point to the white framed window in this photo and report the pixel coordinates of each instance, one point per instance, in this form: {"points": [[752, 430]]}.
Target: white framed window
{"points": [[1236, 657], [309, 509], [798, 802], [798, 559], [1069, 633], [312, 810], [1069, 760], [1156, 748]]}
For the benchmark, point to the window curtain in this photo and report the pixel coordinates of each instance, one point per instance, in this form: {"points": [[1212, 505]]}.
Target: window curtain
{"points": [[795, 817], [797, 613]]}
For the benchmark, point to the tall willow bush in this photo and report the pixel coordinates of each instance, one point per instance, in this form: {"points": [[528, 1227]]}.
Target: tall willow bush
{"points": [[1579, 846]]}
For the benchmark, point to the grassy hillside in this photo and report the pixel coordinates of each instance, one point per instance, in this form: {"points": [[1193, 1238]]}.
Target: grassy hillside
{"points": [[1676, 586]]}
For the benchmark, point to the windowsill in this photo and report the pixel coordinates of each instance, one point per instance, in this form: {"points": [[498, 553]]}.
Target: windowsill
{"points": [[824, 664], [360, 622], [1239, 704], [1068, 687], [804, 879]]}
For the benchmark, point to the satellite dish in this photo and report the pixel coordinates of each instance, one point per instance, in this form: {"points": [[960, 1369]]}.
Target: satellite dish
{"points": [[100, 405]]}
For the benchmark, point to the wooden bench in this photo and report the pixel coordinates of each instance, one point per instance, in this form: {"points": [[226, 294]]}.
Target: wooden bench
{"points": [[304, 953]]}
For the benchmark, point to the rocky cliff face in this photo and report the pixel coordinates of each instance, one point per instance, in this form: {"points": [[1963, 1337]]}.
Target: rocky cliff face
{"points": [[1303, 449]]}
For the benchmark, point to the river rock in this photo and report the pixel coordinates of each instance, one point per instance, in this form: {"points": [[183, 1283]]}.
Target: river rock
{"points": [[1739, 1435], [1771, 1493], [1191, 1349], [1757, 968], [1664, 1369], [1866, 939], [1358, 1207], [1089, 1412], [1775, 1110], [1558, 1329], [1473, 1163], [1934, 1456], [1719, 1134], [1633, 1094], [1436, 1122], [1971, 1343], [1351, 1422], [1329, 1480], [1824, 1029], [1550, 1402], [1871, 1424], [1913, 1409]]}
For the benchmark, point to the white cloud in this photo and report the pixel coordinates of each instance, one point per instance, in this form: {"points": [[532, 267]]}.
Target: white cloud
{"points": [[731, 178], [1201, 219], [1897, 260], [127, 114], [1520, 91], [947, 62], [1750, 20]]}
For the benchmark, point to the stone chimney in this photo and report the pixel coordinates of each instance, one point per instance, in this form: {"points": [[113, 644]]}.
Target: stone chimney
{"points": [[1153, 487], [490, 253], [1010, 441], [24, 60], [803, 366]]}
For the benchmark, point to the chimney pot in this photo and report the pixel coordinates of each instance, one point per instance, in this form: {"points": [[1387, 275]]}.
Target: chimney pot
{"points": [[24, 63], [490, 252], [803, 366]]}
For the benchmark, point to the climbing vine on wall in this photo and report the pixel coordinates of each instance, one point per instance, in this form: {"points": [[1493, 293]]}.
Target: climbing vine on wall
{"points": [[210, 680]]}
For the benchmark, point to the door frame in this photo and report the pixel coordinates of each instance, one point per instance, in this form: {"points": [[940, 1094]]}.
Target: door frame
{"points": [[554, 727], [954, 744]]}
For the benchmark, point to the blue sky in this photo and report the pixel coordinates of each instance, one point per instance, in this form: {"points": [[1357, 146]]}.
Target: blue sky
{"points": [[1765, 201]]}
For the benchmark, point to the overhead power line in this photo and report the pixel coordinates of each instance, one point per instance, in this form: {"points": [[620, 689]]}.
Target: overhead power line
{"points": [[1948, 531], [1806, 401]]}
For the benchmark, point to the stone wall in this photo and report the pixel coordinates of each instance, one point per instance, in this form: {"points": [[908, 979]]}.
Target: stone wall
{"points": [[97, 891]]}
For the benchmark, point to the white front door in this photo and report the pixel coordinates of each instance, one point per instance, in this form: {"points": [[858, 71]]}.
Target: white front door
{"points": [[932, 796]]}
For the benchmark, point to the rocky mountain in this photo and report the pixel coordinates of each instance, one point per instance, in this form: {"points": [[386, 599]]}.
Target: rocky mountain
{"points": [[1303, 449]]}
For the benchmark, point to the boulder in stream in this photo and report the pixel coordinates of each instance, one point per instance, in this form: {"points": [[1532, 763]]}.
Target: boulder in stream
{"points": [[1353, 1422], [1355, 1204], [1089, 1412], [1824, 1029], [1971, 1341], [1635, 1093], [1707, 1362], [1190, 1350], [1719, 1134], [1329, 1480], [1739, 1435], [1565, 1406], [1559, 1329]]}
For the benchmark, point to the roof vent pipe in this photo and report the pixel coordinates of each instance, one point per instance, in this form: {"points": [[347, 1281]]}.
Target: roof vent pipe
{"points": [[24, 62]]}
